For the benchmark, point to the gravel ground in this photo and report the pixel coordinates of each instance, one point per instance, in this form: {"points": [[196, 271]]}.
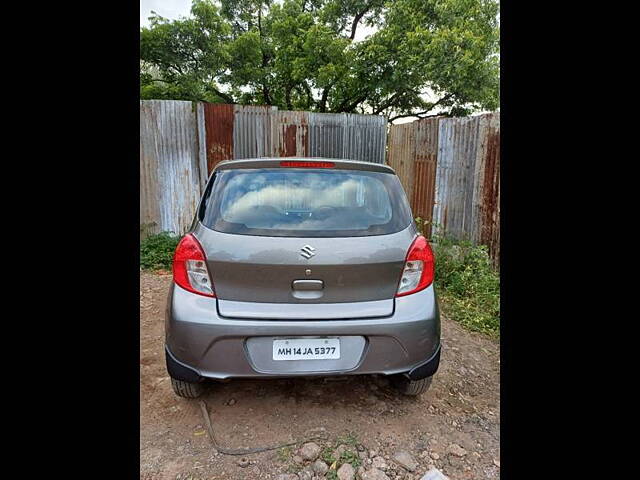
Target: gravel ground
{"points": [[454, 426]]}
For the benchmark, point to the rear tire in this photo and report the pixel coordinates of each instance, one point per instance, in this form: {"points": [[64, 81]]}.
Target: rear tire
{"points": [[410, 387], [187, 389]]}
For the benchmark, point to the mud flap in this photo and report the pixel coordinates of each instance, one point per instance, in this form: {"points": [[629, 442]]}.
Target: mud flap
{"points": [[179, 371], [427, 369]]}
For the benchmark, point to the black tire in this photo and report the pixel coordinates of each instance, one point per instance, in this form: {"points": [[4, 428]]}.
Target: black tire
{"points": [[410, 387], [187, 389]]}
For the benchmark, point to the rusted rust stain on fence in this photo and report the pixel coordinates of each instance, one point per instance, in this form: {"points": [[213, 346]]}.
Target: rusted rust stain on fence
{"points": [[219, 133], [402, 154], [293, 134], [450, 169], [426, 155], [489, 233], [413, 149]]}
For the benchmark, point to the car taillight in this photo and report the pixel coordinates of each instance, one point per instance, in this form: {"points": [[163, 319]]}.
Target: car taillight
{"points": [[418, 268], [190, 267]]}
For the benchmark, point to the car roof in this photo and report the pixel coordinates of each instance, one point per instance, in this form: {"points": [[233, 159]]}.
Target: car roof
{"points": [[274, 162]]}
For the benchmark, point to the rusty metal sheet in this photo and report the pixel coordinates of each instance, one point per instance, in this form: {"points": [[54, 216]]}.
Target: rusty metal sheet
{"points": [[402, 150], [254, 131], [487, 192], [413, 149], [426, 155], [170, 164], [293, 134], [219, 133]]}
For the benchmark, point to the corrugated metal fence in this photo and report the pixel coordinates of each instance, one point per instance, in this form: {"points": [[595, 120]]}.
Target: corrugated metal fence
{"points": [[450, 168], [172, 164], [181, 142], [237, 131]]}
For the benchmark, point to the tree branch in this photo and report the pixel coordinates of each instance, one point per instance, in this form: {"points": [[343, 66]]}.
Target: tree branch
{"points": [[226, 97], [322, 105], [347, 107], [418, 114], [421, 114], [387, 104], [357, 19], [265, 60]]}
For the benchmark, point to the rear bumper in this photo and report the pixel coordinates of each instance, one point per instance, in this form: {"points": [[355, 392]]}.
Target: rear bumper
{"points": [[202, 344]]}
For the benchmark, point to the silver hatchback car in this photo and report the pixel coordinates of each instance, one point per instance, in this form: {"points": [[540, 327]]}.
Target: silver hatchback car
{"points": [[302, 267]]}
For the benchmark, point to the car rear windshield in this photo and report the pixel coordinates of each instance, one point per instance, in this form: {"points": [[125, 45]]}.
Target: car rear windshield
{"points": [[305, 203]]}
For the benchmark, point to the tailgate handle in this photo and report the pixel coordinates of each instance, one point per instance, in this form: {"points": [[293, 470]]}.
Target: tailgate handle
{"points": [[308, 284]]}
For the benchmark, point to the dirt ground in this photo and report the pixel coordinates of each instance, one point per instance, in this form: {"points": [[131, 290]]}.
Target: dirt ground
{"points": [[462, 407]]}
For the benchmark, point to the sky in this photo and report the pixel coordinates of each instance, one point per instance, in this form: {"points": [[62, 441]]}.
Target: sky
{"points": [[166, 8]]}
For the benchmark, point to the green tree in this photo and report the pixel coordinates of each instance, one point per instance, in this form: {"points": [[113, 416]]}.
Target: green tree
{"points": [[301, 54]]}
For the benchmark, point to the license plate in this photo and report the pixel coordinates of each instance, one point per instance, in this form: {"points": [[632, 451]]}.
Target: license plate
{"points": [[306, 349]]}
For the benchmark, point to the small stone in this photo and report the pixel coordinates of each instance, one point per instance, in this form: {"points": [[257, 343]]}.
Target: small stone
{"points": [[310, 451], [374, 474], [434, 474], [287, 476], [305, 475], [243, 463], [360, 447], [231, 401], [337, 453], [320, 467], [457, 450], [363, 455], [405, 460], [434, 455], [379, 463], [372, 453], [496, 463], [298, 459], [360, 472], [346, 472]]}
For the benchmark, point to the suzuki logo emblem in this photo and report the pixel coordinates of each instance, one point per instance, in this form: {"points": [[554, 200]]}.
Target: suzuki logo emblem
{"points": [[307, 251]]}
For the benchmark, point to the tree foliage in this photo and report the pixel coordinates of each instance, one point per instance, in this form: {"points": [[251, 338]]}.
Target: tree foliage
{"points": [[301, 55]]}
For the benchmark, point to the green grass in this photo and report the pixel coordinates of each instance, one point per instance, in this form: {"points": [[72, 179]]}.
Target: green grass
{"points": [[468, 285], [284, 454], [350, 440], [156, 251]]}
